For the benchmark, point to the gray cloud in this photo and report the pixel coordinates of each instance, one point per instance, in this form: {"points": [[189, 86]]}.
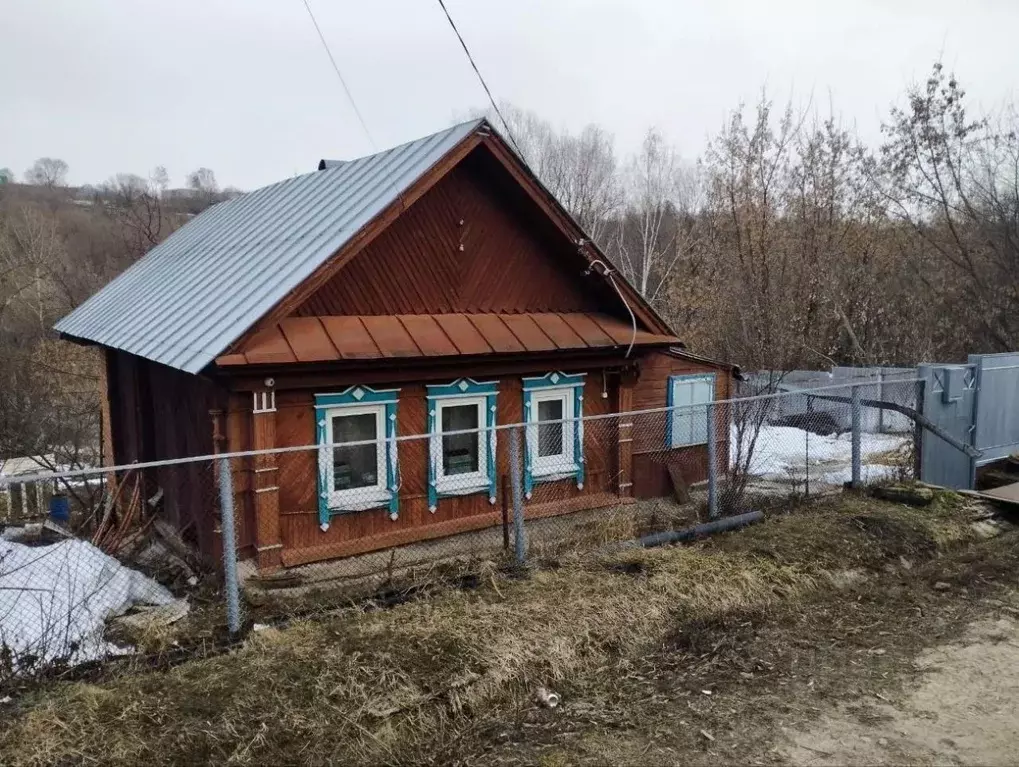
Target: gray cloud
{"points": [[244, 87]]}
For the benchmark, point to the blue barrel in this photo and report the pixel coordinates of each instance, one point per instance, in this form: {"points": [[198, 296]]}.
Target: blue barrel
{"points": [[60, 508]]}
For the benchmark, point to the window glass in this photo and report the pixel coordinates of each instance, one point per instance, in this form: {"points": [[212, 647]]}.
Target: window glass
{"points": [[460, 451], [550, 435], [356, 465]]}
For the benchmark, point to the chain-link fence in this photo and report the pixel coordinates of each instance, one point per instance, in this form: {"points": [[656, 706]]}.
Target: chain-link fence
{"points": [[186, 552]]}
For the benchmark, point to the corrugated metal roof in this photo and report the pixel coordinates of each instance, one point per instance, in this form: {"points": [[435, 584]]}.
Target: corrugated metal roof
{"points": [[329, 339], [195, 293]]}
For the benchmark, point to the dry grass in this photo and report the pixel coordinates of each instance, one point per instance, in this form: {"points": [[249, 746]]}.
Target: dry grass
{"points": [[422, 680]]}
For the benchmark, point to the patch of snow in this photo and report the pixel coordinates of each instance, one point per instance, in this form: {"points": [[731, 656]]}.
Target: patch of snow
{"points": [[785, 452], [55, 600]]}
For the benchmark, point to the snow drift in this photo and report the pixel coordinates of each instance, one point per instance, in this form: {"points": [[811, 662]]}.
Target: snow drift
{"points": [[55, 600]]}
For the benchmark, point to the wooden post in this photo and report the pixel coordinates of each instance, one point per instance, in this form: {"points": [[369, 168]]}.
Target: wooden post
{"points": [[624, 433], [268, 541]]}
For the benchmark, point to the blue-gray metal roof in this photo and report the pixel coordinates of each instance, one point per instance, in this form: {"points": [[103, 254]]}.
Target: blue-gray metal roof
{"points": [[192, 295]]}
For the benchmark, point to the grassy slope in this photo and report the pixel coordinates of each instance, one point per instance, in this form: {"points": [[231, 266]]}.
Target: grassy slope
{"points": [[430, 679]]}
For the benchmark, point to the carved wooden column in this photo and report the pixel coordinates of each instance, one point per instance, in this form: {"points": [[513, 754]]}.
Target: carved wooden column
{"points": [[625, 433], [268, 541]]}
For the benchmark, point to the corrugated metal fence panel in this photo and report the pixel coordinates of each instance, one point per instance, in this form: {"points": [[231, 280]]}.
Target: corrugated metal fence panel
{"points": [[195, 293], [950, 402], [996, 430], [876, 383]]}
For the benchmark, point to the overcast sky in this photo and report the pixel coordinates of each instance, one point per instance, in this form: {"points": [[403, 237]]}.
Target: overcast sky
{"points": [[245, 88]]}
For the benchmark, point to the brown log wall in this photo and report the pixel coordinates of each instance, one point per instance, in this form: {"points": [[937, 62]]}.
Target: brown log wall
{"points": [[304, 541], [651, 456]]}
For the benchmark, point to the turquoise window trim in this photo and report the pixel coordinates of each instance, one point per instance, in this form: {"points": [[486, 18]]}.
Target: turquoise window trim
{"points": [[463, 388], [670, 402], [350, 397], [535, 385]]}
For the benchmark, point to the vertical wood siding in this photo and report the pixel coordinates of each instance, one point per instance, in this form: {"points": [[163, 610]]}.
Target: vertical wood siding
{"points": [[158, 413]]}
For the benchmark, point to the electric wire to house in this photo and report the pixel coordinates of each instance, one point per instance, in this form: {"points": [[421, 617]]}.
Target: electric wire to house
{"points": [[481, 79]]}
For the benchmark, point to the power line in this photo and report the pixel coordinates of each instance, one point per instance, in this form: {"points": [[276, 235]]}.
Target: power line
{"points": [[482, 79], [343, 82]]}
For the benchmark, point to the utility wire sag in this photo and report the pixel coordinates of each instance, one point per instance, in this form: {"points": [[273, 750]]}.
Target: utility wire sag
{"points": [[339, 75]]}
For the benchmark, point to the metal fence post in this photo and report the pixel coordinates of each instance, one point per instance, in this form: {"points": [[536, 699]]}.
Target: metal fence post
{"points": [[806, 447], [516, 480], [226, 509], [712, 461], [918, 432], [856, 435]]}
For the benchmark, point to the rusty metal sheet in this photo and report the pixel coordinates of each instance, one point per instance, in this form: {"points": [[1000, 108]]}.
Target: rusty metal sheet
{"points": [[562, 335], [620, 332], [269, 347], [308, 339], [527, 330], [321, 339], [391, 337], [495, 333], [588, 329], [427, 335], [463, 334], [350, 337]]}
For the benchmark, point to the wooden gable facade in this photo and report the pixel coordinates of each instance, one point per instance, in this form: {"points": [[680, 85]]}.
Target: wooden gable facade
{"points": [[476, 278]]}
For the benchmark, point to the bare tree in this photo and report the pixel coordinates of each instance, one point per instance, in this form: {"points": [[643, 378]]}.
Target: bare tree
{"points": [[48, 172], [955, 182], [579, 170], [136, 203], [656, 228], [203, 180]]}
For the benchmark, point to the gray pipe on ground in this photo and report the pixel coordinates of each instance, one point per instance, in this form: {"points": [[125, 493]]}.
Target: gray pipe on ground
{"points": [[697, 531]]}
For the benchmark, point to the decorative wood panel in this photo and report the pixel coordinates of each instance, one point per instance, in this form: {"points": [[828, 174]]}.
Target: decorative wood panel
{"points": [[473, 243]]}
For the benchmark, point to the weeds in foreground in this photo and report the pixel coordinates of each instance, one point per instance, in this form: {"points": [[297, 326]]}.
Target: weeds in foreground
{"points": [[428, 676]]}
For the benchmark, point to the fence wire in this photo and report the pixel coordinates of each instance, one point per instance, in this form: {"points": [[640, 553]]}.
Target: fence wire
{"points": [[100, 562]]}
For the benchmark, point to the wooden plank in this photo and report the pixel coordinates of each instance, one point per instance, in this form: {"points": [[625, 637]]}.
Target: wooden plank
{"points": [[463, 334], [679, 489], [495, 332], [269, 347], [527, 330], [429, 337], [390, 337], [1006, 493], [292, 557], [351, 339], [309, 340]]}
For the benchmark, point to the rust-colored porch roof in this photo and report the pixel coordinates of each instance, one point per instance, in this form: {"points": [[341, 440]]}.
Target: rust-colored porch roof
{"points": [[329, 339]]}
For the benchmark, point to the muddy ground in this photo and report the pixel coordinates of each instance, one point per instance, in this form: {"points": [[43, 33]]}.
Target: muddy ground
{"points": [[850, 631]]}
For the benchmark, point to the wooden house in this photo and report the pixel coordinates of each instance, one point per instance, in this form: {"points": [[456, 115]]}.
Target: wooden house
{"points": [[432, 287]]}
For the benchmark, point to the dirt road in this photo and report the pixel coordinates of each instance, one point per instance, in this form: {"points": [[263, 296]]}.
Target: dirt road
{"points": [[964, 711]]}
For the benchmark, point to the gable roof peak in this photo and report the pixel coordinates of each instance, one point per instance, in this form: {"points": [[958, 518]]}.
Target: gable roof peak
{"points": [[194, 294]]}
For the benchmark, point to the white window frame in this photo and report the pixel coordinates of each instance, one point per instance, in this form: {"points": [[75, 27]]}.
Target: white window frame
{"points": [[357, 498], [461, 484], [561, 463], [696, 409]]}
